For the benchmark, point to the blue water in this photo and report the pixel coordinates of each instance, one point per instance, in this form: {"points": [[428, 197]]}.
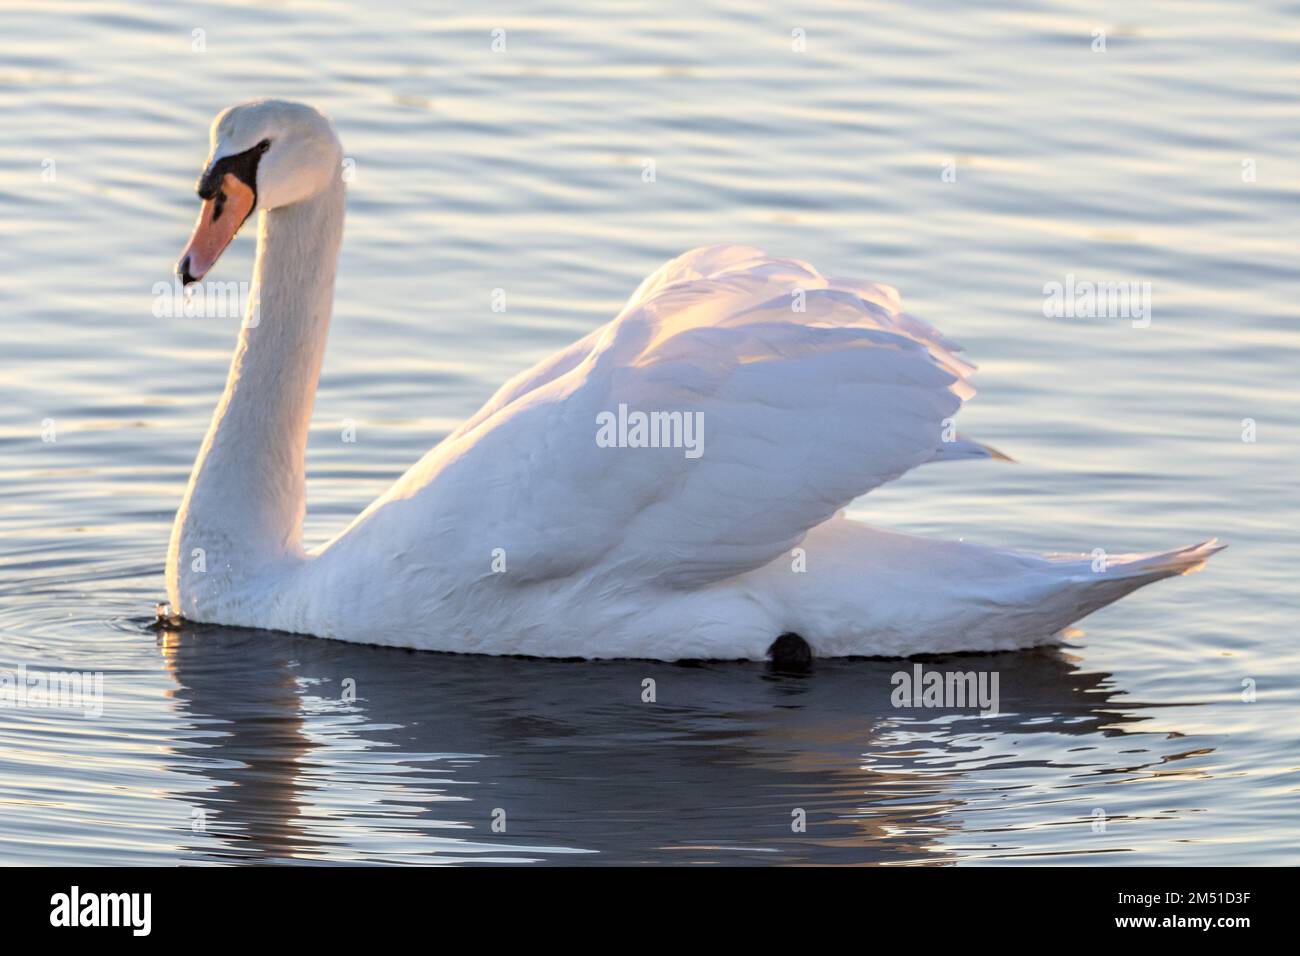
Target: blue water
{"points": [[1167, 159]]}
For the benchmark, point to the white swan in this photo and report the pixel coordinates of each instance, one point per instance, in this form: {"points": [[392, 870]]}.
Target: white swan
{"points": [[788, 393]]}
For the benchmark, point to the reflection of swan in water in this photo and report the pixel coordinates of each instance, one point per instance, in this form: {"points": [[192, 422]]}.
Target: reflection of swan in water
{"points": [[712, 770]]}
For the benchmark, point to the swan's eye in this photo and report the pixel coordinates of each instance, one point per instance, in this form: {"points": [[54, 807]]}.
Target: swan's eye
{"points": [[263, 146]]}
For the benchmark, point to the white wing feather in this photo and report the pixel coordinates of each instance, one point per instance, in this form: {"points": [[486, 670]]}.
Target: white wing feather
{"points": [[811, 391]]}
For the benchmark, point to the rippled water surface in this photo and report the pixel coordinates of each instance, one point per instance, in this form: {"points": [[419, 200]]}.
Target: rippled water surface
{"points": [[1169, 158]]}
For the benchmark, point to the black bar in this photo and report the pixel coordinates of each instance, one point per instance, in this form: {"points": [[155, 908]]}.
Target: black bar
{"points": [[331, 905]]}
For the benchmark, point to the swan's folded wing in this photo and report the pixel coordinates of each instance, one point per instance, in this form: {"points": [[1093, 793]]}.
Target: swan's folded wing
{"points": [[789, 422], [771, 395]]}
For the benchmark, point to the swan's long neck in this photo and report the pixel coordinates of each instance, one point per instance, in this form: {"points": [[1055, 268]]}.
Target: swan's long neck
{"points": [[244, 506]]}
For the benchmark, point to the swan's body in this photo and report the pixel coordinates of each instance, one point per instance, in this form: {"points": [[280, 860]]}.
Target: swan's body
{"points": [[520, 533]]}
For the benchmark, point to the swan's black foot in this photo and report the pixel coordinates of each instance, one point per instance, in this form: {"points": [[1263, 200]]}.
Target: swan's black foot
{"points": [[790, 652]]}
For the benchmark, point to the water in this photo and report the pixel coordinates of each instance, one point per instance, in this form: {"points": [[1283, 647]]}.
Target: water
{"points": [[522, 170]]}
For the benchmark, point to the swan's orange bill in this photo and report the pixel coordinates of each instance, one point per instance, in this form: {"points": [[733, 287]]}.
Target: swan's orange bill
{"points": [[219, 220]]}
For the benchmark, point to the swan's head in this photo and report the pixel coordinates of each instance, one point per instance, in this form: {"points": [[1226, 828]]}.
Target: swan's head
{"points": [[265, 154]]}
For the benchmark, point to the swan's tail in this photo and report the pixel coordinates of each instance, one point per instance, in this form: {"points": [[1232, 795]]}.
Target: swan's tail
{"points": [[1165, 564], [1083, 586], [877, 593]]}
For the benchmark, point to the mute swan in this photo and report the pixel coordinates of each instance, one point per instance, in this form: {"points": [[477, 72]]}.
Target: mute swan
{"points": [[668, 487]]}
